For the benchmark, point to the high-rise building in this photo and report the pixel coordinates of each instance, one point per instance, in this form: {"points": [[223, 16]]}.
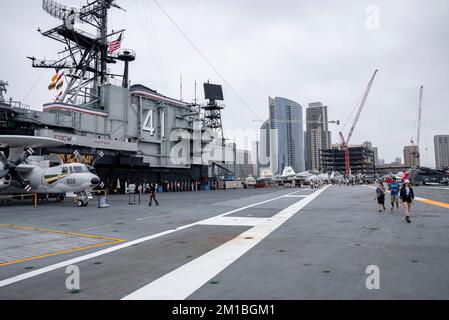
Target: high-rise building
{"points": [[411, 156], [318, 134], [286, 135], [306, 147], [244, 166], [376, 156], [369, 145], [263, 152], [441, 151]]}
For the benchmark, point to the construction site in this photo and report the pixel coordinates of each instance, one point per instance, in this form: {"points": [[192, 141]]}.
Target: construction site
{"points": [[362, 160]]}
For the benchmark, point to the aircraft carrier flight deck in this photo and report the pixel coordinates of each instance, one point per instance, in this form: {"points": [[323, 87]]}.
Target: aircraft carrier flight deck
{"points": [[274, 243]]}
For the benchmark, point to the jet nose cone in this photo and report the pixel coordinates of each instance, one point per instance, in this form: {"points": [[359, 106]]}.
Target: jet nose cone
{"points": [[95, 181]]}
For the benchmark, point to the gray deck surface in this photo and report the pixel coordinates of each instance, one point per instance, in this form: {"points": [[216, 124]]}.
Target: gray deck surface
{"points": [[321, 252]]}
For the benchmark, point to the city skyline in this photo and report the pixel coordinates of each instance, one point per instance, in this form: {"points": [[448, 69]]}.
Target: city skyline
{"points": [[345, 51]]}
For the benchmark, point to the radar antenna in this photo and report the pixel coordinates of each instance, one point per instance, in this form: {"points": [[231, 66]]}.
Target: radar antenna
{"points": [[85, 55]]}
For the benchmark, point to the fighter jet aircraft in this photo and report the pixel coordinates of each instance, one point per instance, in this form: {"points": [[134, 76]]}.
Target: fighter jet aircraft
{"points": [[28, 174], [290, 178], [302, 178]]}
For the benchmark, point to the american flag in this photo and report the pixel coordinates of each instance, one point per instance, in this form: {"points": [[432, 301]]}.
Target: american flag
{"points": [[115, 45]]}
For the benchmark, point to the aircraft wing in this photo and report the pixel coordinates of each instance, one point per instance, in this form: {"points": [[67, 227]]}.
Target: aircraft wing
{"points": [[29, 141], [25, 168], [304, 174]]}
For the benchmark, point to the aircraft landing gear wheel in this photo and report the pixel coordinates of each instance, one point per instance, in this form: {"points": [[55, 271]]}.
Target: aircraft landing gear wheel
{"points": [[85, 204], [80, 203]]}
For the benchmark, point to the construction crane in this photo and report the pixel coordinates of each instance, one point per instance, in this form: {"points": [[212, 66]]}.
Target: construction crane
{"points": [[416, 153], [345, 142]]}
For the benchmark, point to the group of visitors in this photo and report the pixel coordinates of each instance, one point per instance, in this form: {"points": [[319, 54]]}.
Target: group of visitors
{"points": [[347, 181], [317, 184], [403, 192], [181, 185]]}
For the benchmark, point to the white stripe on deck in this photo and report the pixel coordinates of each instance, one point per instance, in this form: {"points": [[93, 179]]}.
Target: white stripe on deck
{"points": [[297, 196], [440, 188], [74, 261], [184, 281], [233, 221]]}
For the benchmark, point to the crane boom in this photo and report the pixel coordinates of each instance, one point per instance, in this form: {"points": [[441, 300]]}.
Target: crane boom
{"points": [[345, 143], [362, 104], [418, 135]]}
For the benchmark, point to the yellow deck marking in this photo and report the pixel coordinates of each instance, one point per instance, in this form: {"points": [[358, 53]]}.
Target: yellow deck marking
{"points": [[433, 202], [109, 241]]}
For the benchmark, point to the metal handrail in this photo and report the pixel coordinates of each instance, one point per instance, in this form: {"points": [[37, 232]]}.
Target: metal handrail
{"points": [[17, 104]]}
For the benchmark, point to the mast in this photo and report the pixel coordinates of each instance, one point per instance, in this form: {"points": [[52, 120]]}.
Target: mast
{"points": [[85, 57]]}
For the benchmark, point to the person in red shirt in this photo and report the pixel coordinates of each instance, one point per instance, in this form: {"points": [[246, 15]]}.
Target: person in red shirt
{"points": [[405, 176]]}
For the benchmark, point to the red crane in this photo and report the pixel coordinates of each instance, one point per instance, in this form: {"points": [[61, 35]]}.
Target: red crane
{"points": [[345, 142]]}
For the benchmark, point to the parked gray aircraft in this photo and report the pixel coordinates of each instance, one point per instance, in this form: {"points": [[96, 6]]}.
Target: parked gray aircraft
{"points": [[28, 174]]}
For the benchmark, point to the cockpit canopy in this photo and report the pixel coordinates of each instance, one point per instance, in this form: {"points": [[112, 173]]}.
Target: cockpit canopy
{"points": [[74, 168]]}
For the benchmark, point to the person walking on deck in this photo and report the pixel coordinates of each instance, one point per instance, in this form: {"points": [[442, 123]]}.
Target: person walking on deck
{"points": [[380, 196], [394, 193], [407, 195], [153, 195]]}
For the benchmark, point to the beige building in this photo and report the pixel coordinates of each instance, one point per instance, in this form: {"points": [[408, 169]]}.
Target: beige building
{"points": [[317, 133], [411, 156]]}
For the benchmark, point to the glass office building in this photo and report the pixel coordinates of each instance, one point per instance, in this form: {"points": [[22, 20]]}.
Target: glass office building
{"points": [[286, 135]]}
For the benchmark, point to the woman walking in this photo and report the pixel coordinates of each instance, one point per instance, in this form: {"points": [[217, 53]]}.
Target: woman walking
{"points": [[407, 195], [380, 196]]}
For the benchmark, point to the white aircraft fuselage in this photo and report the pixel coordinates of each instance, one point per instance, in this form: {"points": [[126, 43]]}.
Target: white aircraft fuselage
{"points": [[65, 178]]}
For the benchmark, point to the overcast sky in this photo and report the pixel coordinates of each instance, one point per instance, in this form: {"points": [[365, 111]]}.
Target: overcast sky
{"points": [[306, 51]]}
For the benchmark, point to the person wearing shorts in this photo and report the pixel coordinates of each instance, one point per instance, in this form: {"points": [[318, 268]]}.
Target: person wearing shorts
{"points": [[380, 196], [394, 194], [407, 195]]}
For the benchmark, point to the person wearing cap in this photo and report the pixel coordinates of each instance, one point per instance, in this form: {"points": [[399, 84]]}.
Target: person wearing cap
{"points": [[407, 195], [394, 187]]}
